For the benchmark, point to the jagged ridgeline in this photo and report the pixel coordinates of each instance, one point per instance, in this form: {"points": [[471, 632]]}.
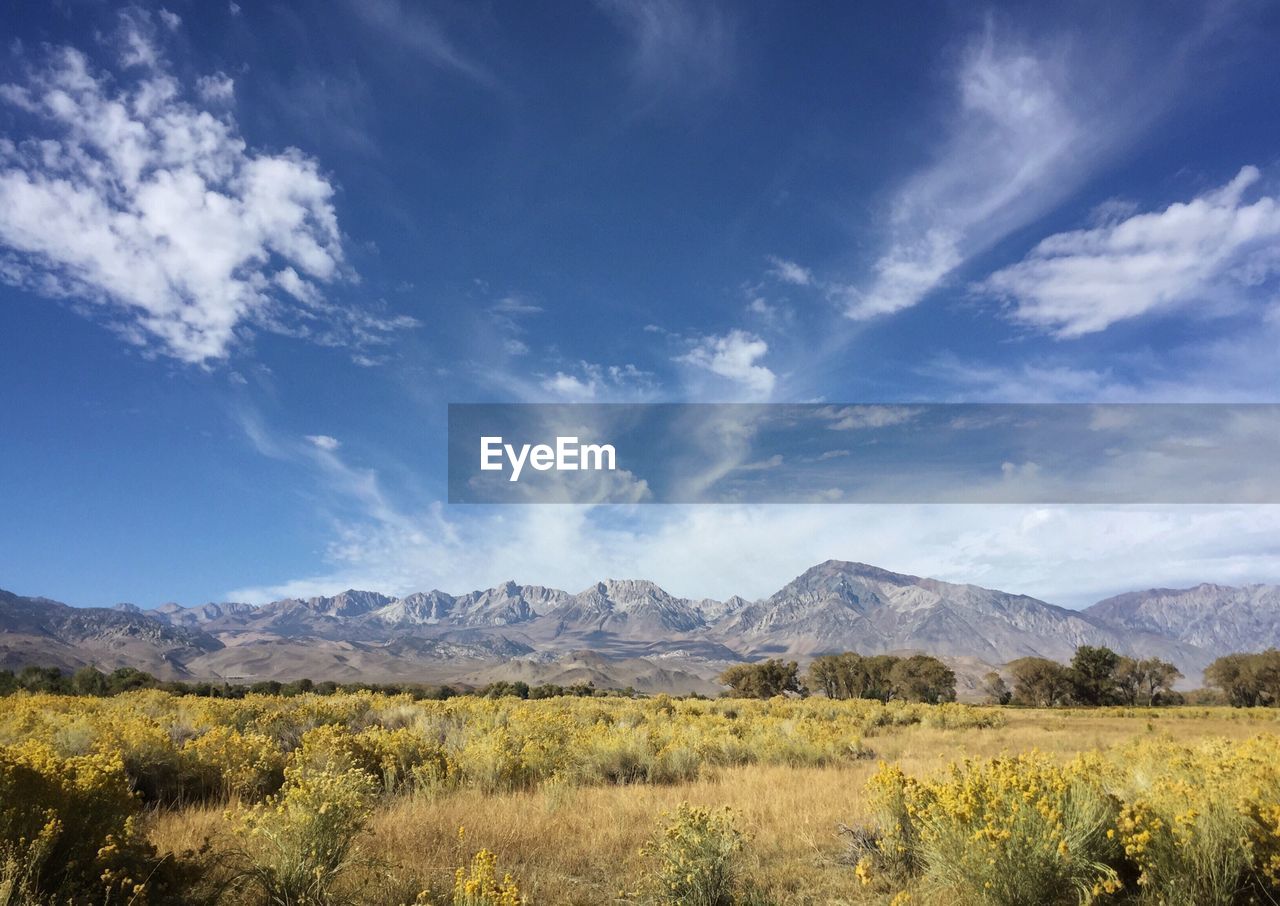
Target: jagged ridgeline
{"points": [[620, 633]]}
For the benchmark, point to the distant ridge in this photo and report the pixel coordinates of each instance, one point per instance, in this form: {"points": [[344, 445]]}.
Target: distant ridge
{"points": [[629, 631]]}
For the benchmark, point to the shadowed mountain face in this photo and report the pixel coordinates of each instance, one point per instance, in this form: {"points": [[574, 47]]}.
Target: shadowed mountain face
{"points": [[635, 632], [49, 634]]}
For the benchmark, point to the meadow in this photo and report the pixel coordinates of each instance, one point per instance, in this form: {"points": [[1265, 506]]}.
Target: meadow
{"points": [[367, 798]]}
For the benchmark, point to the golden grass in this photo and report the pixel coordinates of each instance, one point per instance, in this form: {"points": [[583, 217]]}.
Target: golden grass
{"points": [[581, 845]]}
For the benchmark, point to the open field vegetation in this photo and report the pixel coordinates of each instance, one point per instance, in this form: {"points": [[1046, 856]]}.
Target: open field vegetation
{"points": [[369, 798]]}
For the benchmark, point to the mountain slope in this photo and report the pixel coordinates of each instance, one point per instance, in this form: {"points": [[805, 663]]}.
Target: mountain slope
{"points": [[48, 633], [640, 630], [842, 606], [1218, 619]]}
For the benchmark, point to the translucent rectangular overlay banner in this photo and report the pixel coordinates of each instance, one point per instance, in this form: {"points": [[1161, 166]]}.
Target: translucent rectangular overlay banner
{"points": [[822, 453]]}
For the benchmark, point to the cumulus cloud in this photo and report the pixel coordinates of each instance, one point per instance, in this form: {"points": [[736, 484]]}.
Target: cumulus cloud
{"points": [[218, 88], [1211, 252], [137, 203], [1070, 555], [590, 382], [734, 356]]}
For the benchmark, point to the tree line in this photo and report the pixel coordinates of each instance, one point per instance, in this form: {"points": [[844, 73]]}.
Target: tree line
{"points": [[918, 678], [1096, 676], [94, 682]]}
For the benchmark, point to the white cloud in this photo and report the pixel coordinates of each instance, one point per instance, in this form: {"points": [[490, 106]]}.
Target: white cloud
{"points": [[324, 442], [853, 418], [762, 465], [170, 19], [156, 212], [1211, 253], [570, 387], [790, 272], [594, 383], [1031, 122], [734, 356], [1070, 555], [218, 88]]}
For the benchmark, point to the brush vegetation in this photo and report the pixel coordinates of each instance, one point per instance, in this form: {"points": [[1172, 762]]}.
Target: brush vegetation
{"points": [[368, 798]]}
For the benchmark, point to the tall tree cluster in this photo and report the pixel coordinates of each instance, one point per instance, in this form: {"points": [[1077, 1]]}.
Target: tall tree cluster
{"points": [[763, 680], [1096, 676], [882, 677], [1247, 680]]}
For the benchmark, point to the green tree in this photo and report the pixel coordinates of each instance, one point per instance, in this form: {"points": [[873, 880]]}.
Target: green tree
{"points": [[1233, 674], [1040, 682], [89, 680], [1247, 680], [763, 680], [921, 678], [851, 675], [43, 679], [1156, 678], [996, 689], [126, 679], [1092, 674]]}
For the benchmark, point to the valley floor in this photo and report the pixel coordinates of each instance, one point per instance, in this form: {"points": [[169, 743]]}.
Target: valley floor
{"points": [[583, 844]]}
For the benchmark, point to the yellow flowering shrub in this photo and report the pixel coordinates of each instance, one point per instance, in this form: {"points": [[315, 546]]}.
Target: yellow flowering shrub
{"points": [[1156, 821], [179, 749], [478, 884], [1006, 831], [698, 858], [67, 828], [1202, 824], [300, 843], [225, 762]]}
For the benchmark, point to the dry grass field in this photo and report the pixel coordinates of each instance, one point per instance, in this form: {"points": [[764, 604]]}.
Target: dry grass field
{"points": [[384, 799]]}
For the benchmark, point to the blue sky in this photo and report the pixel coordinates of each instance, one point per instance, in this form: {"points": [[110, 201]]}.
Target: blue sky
{"points": [[250, 253]]}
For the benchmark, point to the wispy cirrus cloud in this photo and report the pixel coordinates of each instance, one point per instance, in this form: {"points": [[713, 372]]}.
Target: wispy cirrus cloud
{"points": [[1017, 145], [411, 26], [132, 200], [1215, 252], [1031, 121], [676, 44], [856, 418], [790, 272]]}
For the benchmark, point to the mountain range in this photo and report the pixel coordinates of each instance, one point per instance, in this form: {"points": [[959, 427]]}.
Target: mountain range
{"points": [[630, 632]]}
